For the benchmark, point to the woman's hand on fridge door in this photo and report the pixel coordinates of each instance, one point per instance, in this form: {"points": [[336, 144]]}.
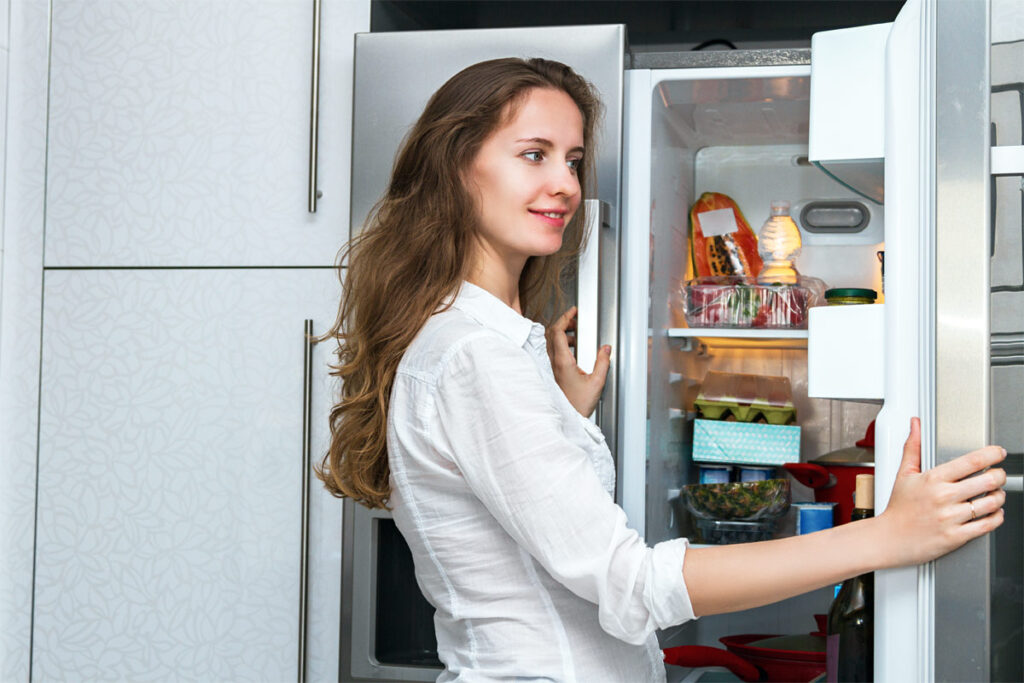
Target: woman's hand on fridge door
{"points": [[935, 512], [581, 388]]}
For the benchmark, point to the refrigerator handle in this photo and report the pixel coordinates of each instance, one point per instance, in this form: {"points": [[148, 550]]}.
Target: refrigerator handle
{"points": [[314, 109], [588, 301], [307, 405]]}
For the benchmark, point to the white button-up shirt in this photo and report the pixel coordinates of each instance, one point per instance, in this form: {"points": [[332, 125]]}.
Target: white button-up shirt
{"points": [[504, 493]]}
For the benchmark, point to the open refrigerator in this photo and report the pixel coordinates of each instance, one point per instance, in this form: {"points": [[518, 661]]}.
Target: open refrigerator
{"points": [[903, 131], [919, 122]]}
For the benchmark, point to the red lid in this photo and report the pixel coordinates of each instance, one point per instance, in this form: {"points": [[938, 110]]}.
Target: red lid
{"points": [[869, 437]]}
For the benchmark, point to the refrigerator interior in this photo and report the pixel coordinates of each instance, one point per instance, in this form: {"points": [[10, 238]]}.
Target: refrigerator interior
{"points": [[745, 137]]}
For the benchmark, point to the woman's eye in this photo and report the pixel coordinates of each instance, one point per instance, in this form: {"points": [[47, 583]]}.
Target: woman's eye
{"points": [[534, 156], [574, 164]]}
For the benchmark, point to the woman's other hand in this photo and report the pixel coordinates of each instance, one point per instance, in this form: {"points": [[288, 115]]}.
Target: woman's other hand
{"points": [[582, 389], [932, 513]]}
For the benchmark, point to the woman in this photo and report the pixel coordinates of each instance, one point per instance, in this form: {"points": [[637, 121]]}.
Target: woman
{"points": [[463, 417]]}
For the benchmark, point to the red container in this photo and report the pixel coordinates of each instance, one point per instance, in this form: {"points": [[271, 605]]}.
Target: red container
{"points": [[746, 659], [833, 476]]}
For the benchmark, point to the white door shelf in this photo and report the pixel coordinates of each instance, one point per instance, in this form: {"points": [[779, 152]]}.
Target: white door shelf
{"points": [[844, 352]]}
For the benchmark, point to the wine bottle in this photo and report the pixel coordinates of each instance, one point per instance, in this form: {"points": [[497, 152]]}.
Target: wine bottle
{"points": [[850, 643]]}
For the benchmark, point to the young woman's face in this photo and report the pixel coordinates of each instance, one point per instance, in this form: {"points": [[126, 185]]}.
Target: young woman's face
{"points": [[524, 178]]}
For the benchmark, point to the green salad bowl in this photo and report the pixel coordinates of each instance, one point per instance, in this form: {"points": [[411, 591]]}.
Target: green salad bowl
{"points": [[745, 501]]}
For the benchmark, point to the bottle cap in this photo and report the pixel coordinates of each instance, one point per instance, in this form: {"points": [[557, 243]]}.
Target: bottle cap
{"points": [[864, 497], [850, 291]]}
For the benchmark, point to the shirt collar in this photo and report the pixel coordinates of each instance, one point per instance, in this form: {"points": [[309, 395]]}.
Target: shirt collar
{"points": [[493, 313]]}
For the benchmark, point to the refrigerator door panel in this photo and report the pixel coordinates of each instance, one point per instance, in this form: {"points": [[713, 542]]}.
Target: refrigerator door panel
{"points": [[631, 477], [952, 335], [963, 579], [902, 646]]}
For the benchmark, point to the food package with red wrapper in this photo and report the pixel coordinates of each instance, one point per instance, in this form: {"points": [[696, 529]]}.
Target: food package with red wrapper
{"points": [[721, 240]]}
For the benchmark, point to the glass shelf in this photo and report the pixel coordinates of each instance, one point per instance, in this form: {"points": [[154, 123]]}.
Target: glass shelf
{"points": [[738, 337]]}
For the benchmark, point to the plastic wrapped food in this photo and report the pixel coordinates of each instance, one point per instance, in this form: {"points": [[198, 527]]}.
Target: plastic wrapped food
{"points": [[727, 301], [721, 240]]}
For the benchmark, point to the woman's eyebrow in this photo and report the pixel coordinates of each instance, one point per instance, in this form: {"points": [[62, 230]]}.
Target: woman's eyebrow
{"points": [[544, 142]]}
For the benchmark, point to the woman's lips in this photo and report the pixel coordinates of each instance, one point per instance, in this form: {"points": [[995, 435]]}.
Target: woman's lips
{"points": [[555, 218]]}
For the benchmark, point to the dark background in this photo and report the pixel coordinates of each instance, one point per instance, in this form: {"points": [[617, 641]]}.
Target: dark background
{"points": [[653, 25]]}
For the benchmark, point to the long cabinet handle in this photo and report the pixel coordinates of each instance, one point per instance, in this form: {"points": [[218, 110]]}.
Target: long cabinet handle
{"points": [[314, 109], [307, 406]]}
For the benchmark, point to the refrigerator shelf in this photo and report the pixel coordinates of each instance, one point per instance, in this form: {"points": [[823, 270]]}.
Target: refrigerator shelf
{"points": [[723, 337], [735, 333]]}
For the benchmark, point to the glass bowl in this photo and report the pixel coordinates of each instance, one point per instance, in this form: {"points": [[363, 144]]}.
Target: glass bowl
{"points": [[745, 501]]}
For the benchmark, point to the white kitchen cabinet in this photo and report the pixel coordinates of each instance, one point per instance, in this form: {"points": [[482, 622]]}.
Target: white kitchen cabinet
{"points": [[179, 132], [170, 472]]}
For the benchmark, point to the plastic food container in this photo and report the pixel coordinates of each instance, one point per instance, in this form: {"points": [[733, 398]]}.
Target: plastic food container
{"points": [[746, 398], [728, 301], [850, 295], [720, 532]]}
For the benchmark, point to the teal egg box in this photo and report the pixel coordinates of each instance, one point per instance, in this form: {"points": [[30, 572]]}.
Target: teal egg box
{"points": [[750, 443]]}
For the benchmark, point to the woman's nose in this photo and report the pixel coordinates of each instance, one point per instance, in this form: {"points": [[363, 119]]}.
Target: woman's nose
{"points": [[563, 181]]}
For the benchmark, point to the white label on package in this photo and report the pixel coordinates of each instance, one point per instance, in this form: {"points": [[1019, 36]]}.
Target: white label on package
{"points": [[717, 222]]}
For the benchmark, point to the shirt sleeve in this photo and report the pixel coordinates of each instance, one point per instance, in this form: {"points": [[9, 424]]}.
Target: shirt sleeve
{"points": [[499, 425]]}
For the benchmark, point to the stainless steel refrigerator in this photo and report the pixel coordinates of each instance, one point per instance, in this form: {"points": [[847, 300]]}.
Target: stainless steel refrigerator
{"points": [[945, 209]]}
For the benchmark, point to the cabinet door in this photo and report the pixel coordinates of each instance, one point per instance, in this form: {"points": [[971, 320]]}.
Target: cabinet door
{"points": [[179, 132], [170, 474]]}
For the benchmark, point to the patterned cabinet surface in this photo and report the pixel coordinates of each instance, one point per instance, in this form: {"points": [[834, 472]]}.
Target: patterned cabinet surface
{"points": [[179, 132], [20, 313], [170, 476]]}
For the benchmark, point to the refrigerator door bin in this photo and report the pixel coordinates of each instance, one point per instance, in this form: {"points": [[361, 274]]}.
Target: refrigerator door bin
{"points": [[845, 349]]}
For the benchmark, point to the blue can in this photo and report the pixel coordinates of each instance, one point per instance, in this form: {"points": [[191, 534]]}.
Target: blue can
{"points": [[715, 474], [813, 517], [756, 473]]}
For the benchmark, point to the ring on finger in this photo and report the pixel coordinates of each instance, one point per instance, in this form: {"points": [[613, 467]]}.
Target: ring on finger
{"points": [[974, 515]]}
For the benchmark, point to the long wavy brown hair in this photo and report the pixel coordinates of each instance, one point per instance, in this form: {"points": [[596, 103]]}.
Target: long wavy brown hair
{"points": [[416, 250]]}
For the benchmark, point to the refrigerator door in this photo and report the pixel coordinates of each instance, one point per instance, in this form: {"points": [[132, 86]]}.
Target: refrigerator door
{"points": [[395, 75], [951, 354]]}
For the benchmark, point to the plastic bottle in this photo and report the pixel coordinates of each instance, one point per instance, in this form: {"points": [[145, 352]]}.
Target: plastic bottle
{"points": [[850, 645], [779, 244]]}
